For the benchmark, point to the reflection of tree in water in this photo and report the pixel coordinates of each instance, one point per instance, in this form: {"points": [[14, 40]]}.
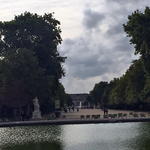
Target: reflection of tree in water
{"points": [[34, 138], [52, 138], [37, 146], [142, 142]]}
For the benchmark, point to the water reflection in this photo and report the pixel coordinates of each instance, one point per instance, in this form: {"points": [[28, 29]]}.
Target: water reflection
{"points": [[35, 146], [143, 140], [32, 138], [123, 136], [100, 136]]}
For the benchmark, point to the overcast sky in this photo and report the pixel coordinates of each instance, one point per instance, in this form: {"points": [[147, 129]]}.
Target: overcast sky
{"points": [[94, 42]]}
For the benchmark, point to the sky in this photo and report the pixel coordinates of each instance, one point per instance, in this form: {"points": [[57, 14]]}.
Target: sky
{"points": [[94, 42]]}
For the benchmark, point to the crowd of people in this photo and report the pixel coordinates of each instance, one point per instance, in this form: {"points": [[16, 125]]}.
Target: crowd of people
{"points": [[70, 109]]}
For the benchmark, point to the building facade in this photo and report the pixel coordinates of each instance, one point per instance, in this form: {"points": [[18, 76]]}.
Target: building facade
{"points": [[80, 100]]}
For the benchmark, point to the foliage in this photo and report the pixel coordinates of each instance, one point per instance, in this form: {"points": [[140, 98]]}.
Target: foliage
{"points": [[98, 92], [138, 29], [132, 90], [30, 64], [40, 34]]}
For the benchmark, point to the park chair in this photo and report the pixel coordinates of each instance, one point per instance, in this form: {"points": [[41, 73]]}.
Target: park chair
{"points": [[120, 115], [87, 116], [142, 115], [131, 113], [98, 116], [125, 115], [135, 115], [93, 116], [105, 116], [115, 115], [82, 117], [110, 115]]}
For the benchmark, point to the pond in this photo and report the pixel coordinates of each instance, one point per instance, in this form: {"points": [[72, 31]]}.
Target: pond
{"points": [[117, 136]]}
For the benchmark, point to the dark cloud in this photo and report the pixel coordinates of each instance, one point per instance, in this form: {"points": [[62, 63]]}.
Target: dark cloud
{"points": [[123, 45], [90, 60], [97, 53], [115, 30], [124, 1], [92, 18]]}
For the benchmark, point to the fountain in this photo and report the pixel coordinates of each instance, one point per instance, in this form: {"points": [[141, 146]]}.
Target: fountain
{"points": [[36, 113]]}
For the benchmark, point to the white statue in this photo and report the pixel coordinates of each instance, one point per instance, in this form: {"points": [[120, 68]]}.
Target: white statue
{"points": [[36, 113]]}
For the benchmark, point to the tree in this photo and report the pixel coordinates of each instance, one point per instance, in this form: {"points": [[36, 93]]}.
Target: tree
{"points": [[138, 29], [29, 59], [19, 73], [40, 34], [131, 90], [98, 94]]}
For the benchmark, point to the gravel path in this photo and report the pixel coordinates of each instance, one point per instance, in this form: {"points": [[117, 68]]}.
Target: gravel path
{"points": [[85, 112]]}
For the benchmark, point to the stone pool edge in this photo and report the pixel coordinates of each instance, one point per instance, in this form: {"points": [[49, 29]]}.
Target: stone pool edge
{"points": [[70, 121]]}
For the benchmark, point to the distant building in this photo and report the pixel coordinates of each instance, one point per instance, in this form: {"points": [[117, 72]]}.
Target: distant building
{"points": [[80, 100]]}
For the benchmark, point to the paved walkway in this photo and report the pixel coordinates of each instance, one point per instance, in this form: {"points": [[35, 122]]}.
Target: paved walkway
{"points": [[75, 118], [85, 112]]}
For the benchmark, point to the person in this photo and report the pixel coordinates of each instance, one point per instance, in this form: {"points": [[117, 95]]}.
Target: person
{"points": [[105, 111], [69, 108], [65, 109], [73, 108]]}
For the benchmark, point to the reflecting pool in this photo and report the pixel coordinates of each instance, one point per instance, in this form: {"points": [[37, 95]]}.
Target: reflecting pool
{"points": [[117, 136]]}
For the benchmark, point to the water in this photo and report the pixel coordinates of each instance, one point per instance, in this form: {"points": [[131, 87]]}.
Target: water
{"points": [[119, 136]]}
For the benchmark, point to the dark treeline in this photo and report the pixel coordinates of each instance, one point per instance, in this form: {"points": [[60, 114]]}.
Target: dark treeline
{"points": [[30, 65], [132, 90]]}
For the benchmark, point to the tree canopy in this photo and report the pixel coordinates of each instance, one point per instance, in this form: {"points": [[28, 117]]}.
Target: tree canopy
{"points": [[40, 34], [132, 90], [30, 64], [138, 29]]}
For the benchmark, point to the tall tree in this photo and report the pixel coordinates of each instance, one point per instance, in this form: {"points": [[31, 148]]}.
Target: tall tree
{"points": [[132, 90], [29, 58], [138, 29], [38, 33], [98, 94]]}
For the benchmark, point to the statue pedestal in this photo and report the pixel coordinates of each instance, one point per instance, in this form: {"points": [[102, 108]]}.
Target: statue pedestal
{"points": [[36, 113]]}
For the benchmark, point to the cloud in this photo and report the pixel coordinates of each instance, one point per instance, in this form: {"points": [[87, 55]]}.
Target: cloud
{"points": [[87, 59], [92, 18], [94, 41], [102, 52], [115, 30], [124, 2]]}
